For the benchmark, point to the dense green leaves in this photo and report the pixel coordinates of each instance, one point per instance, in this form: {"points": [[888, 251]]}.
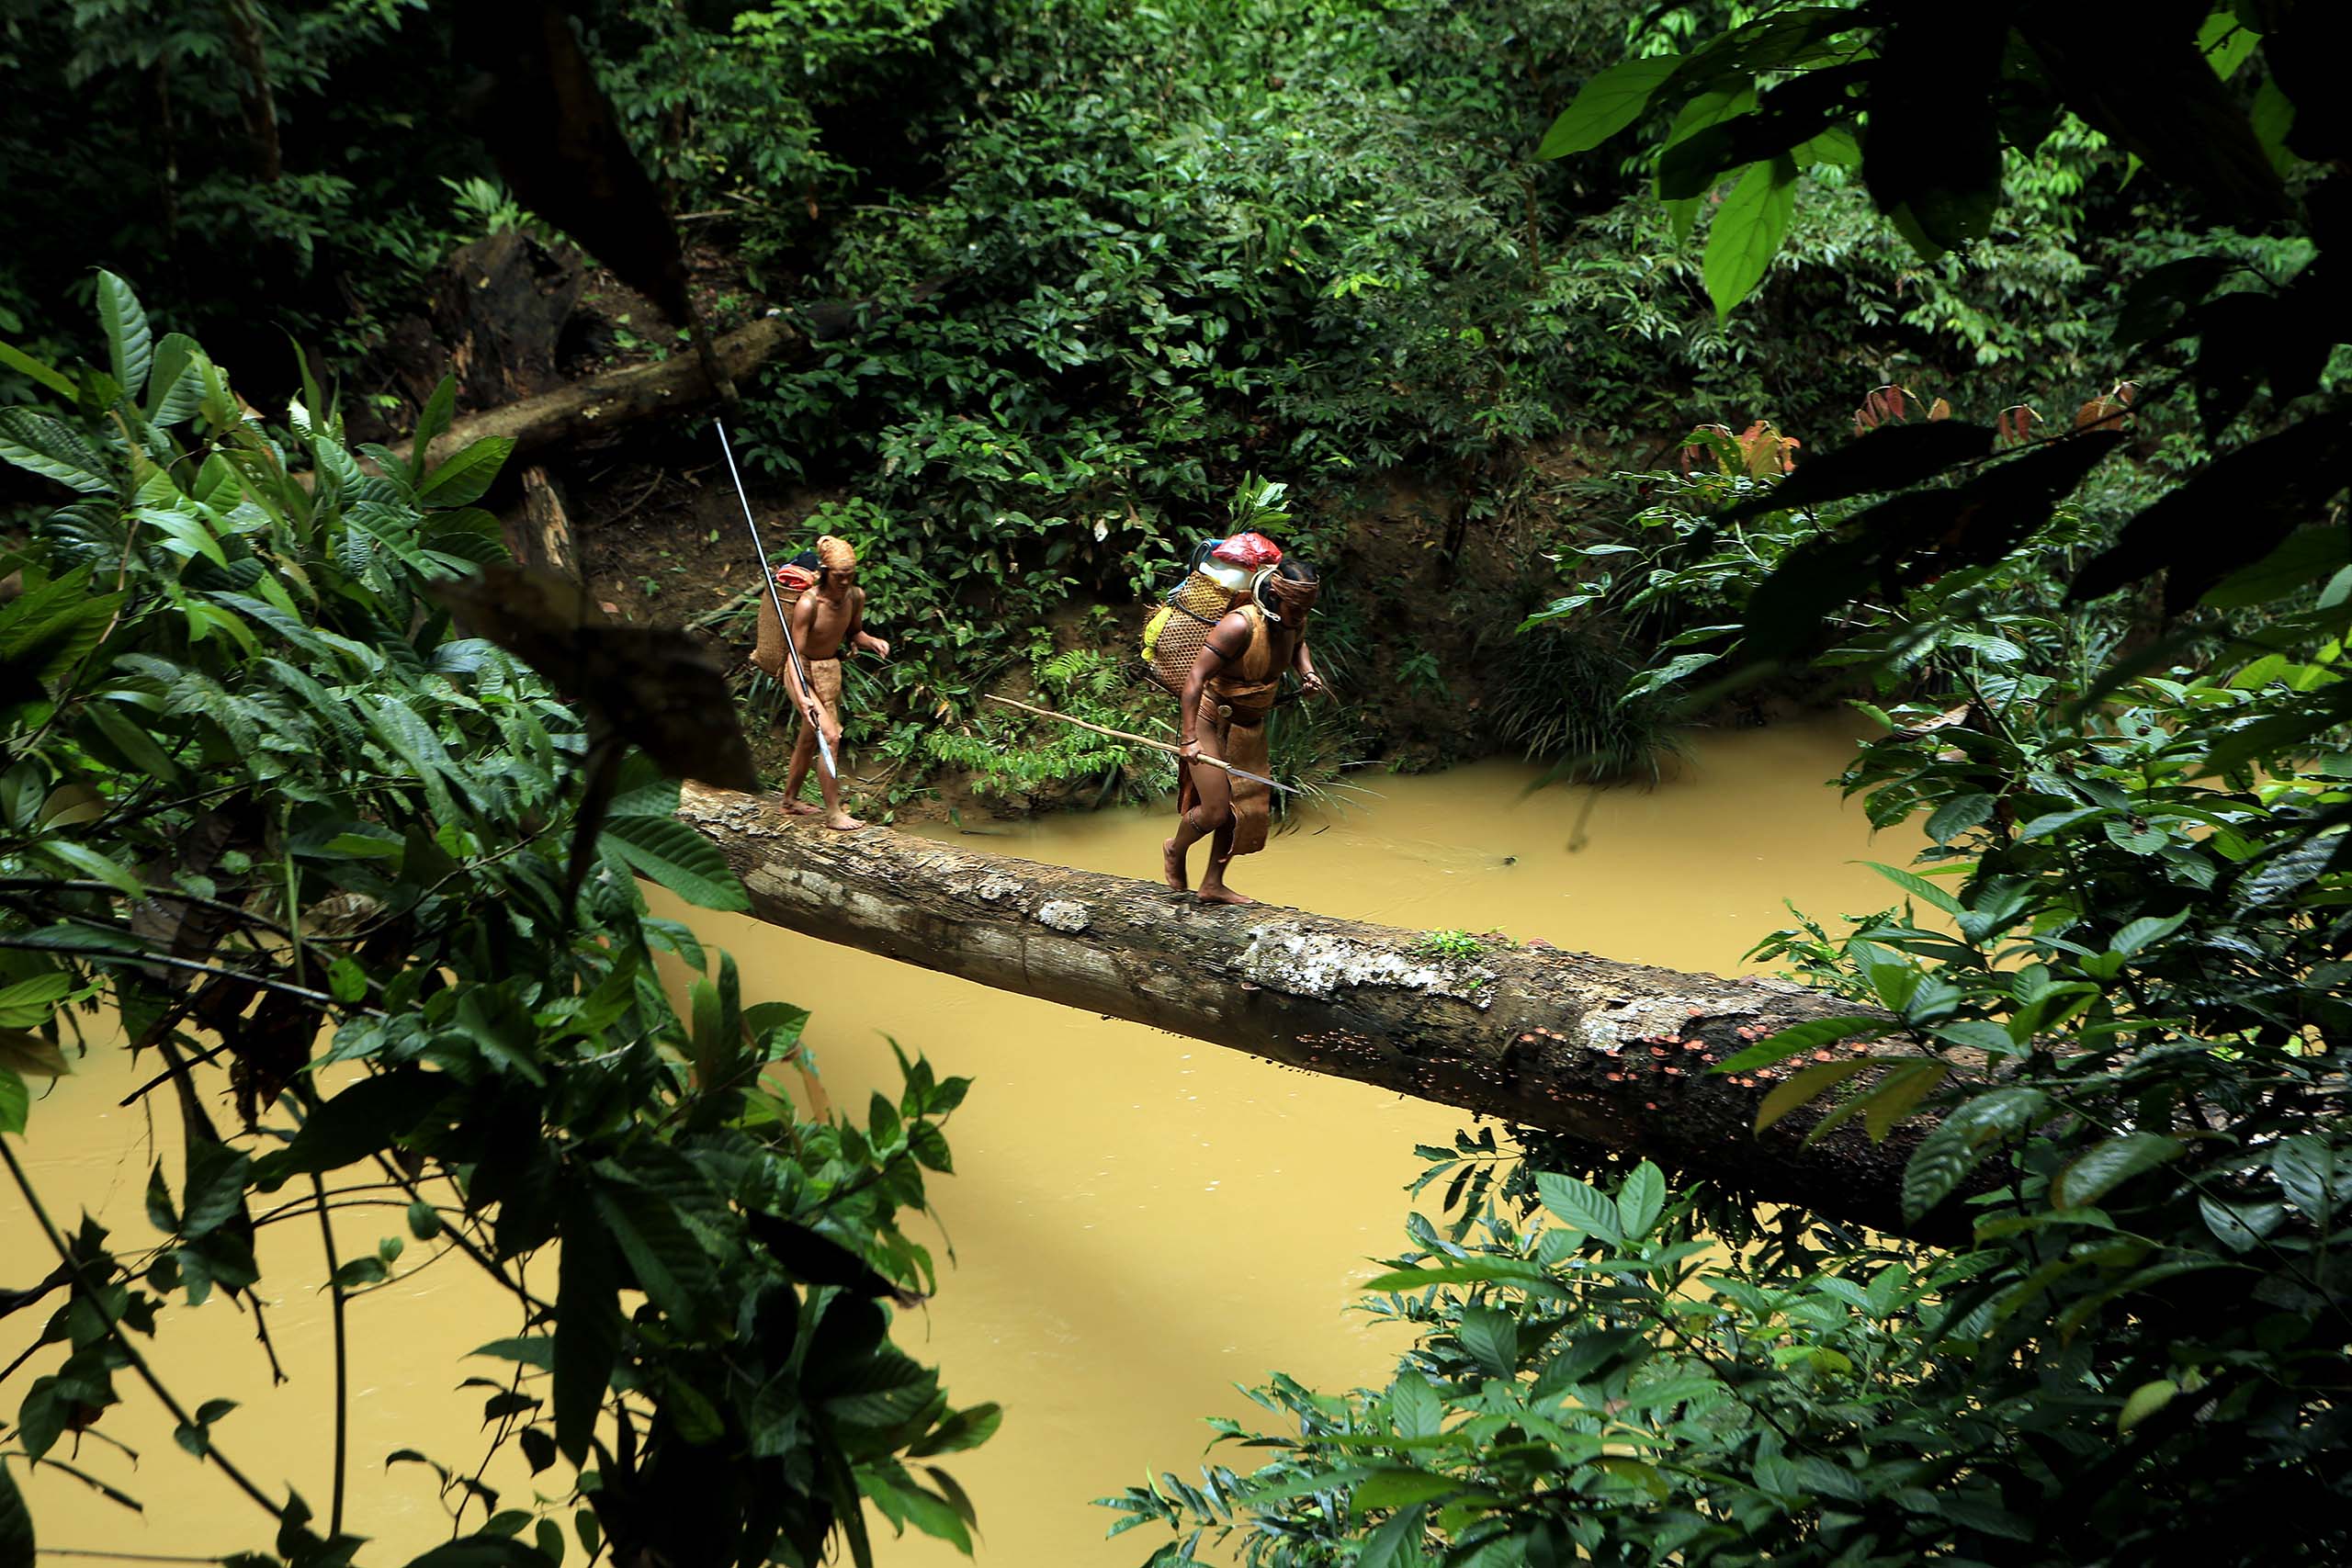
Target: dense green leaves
{"points": [[261, 787], [2116, 968]]}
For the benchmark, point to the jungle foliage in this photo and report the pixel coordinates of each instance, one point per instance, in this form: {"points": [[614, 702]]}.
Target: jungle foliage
{"points": [[267, 797], [1130, 255], [1075, 267], [2107, 1018], [263, 165]]}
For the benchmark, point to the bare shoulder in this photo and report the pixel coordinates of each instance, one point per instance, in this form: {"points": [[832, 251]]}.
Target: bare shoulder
{"points": [[1232, 634]]}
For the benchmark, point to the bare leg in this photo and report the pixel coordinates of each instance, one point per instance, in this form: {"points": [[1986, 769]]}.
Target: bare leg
{"points": [[1217, 792], [1191, 828], [836, 818], [1210, 818], [1213, 887], [804, 751]]}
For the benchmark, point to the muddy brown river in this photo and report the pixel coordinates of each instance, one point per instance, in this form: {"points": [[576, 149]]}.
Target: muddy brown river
{"points": [[1139, 1222]]}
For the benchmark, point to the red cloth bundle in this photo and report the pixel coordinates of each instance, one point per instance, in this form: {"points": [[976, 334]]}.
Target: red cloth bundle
{"points": [[1251, 550]]}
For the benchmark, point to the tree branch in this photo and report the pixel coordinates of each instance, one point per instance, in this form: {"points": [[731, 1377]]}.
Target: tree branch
{"points": [[91, 1294]]}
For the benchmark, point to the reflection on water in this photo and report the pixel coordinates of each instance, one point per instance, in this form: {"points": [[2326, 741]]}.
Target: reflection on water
{"points": [[1139, 1222]]}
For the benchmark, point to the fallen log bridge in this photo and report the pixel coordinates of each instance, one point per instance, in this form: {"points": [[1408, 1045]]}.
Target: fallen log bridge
{"points": [[1616, 1053]]}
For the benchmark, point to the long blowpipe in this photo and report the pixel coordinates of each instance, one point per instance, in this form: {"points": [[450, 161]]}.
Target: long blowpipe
{"points": [[1176, 751]]}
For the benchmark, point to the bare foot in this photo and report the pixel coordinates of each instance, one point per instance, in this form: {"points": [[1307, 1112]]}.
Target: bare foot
{"points": [[1215, 892], [1172, 866], [843, 822], [802, 808]]}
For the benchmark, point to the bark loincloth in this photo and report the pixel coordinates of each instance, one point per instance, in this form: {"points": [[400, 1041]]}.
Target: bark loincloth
{"points": [[825, 685]]}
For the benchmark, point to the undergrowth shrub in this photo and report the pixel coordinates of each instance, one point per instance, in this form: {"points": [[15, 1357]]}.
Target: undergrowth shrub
{"points": [[1558, 699]]}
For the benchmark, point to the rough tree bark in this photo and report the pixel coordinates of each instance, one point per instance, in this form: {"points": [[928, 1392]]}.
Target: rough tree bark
{"points": [[1614, 1052], [542, 536]]}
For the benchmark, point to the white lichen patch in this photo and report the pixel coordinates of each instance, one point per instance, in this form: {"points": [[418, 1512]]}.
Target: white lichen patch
{"points": [[1305, 964], [1644, 1018], [1064, 914], [994, 890]]}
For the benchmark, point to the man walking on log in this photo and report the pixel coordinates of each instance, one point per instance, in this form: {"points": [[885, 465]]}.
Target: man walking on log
{"points": [[1225, 702], [828, 621]]}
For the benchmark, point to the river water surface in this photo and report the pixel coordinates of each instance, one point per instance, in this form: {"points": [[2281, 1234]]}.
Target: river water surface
{"points": [[1139, 1222]]}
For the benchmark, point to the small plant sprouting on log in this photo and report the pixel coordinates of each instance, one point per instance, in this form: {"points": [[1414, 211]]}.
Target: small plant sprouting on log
{"points": [[1453, 945]]}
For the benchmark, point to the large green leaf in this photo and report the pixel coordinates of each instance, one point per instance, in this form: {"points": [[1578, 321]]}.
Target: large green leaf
{"points": [[886, 1390], [1399, 1488], [16, 359], [16, 1101], [665, 851], [1607, 105], [1961, 813], [411, 740], [131, 342], [588, 1322], [1577, 1203], [1748, 231], [370, 1115], [1414, 1405], [51, 629], [1640, 1201], [1947, 1154], [1899, 1093], [1799, 1037], [430, 420], [483, 1551], [2111, 1163], [1918, 886], [185, 533], [461, 480], [178, 386], [672, 1267], [1491, 1336], [37, 443], [1803, 1088], [967, 1429], [26, 1054], [1483, 1271]]}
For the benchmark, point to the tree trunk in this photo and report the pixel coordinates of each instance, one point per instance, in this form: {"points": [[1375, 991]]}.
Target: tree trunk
{"points": [[601, 403], [1617, 1054], [542, 536], [254, 94]]}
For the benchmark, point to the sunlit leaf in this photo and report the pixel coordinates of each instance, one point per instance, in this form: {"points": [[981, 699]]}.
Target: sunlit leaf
{"points": [[1606, 105], [1748, 230]]}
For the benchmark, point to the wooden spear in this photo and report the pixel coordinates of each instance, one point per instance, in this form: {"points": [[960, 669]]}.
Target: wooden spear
{"points": [[1176, 751]]}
